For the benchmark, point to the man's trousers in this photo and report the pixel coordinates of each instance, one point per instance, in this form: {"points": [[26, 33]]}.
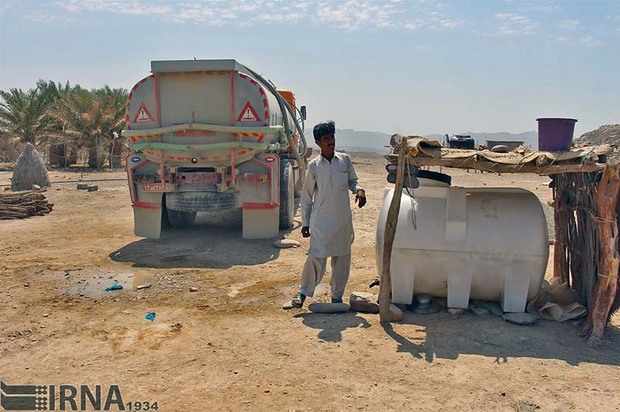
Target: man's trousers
{"points": [[314, 270]]}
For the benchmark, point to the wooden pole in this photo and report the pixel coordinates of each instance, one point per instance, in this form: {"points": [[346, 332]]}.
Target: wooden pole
{"points": [[559, 244], [609, 261], [385, 292]]}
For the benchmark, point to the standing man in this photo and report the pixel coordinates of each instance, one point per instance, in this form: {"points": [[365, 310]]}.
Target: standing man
{"points": [[326, 216]]}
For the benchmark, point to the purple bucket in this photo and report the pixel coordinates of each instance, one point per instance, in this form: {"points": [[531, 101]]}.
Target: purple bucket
{"points": [[555, 134]]}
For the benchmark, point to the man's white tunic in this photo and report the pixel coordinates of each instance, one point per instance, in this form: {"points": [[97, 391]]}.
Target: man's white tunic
{"points": [[325, 205]]}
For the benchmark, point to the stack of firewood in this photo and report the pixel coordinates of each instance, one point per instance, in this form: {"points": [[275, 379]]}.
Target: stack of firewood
{"points": [[20, 205]]}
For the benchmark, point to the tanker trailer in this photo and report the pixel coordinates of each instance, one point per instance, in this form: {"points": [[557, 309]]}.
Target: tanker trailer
{"points": [[213, 135]]}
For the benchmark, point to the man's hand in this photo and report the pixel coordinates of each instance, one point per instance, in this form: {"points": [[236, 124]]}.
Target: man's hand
{"points": [[360, 198], [305, 231]]}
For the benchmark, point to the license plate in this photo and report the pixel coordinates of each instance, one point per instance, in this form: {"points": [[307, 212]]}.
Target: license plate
{"points": [[157, 187]]}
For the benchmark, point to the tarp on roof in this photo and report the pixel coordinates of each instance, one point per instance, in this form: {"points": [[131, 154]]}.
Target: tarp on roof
{"points": [[424, 152]]}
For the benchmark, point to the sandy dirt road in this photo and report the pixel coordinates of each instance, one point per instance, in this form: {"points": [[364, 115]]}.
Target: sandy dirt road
{"points": [[230, 346]]}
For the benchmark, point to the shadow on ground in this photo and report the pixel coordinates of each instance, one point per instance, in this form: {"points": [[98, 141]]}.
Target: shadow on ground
{"points": [[198, 247], [330, 329], [440, 336]]}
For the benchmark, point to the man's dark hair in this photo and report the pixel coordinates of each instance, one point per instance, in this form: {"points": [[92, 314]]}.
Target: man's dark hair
{"points": [[323, 129]]}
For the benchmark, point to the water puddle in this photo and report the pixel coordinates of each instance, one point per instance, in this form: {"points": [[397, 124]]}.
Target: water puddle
{"points": [[92, 283]]}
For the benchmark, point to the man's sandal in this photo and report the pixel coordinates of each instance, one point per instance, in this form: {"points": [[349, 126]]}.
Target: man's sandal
{"points": [[296, 303]]}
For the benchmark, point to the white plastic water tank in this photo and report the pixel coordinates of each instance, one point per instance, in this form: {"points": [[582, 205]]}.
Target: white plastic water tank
{"points": [[466, 243]]}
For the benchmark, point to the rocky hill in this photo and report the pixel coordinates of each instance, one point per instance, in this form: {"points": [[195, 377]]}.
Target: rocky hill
{"points": [[606, 134]]}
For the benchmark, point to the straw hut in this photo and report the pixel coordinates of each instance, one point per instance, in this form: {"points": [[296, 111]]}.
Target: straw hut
{"points": [[29, 170]]}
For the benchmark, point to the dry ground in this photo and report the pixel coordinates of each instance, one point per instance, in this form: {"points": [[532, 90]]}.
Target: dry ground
{"points": [[229, 346]]}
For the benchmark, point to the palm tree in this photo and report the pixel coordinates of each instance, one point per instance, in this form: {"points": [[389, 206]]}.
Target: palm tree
{"points": [[61, 153], [92, 118], [117, 101], [24, 114]]}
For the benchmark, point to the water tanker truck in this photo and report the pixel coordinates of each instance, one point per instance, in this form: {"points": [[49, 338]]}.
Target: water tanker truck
{"points": [[213, 135]]}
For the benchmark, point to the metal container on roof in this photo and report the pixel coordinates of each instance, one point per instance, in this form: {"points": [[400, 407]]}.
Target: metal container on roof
{"points": [[510, 144]]}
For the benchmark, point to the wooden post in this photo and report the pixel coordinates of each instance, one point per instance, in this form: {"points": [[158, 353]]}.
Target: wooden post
{"points": [[385, 292], [559, 242], [609, 261]]}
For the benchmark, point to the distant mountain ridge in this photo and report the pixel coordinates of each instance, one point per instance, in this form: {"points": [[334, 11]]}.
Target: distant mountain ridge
{"points": [[361, 141], [378, 142]]}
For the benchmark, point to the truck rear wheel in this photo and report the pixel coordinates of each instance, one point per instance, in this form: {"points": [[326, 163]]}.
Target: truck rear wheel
{"points": [[179, 219], [287, 196], [203, 201]]}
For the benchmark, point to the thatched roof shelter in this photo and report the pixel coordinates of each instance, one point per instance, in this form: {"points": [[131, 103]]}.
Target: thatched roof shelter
{"points": [[424, 152], [586, 187]]}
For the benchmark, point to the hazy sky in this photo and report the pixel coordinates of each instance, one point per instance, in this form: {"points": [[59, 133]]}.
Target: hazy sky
{"points": [[412, 67]]}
